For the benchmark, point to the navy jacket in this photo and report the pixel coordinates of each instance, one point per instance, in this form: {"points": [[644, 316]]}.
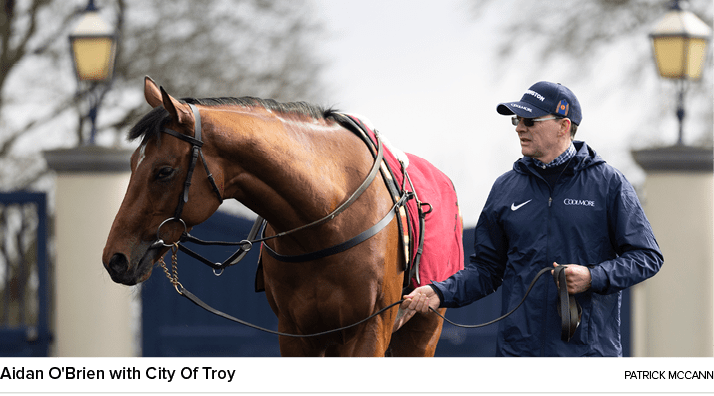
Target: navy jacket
{"points": [[590, 217]]}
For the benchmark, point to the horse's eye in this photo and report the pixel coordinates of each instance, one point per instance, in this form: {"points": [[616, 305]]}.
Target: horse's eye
{"points": [[164, 173]]}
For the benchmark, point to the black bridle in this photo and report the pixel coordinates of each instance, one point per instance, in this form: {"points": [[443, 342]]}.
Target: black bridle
{"points": [[245, 245], [196, 145]]}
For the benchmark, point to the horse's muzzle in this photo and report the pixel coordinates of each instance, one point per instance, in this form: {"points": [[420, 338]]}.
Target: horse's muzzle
{"points": [[118, 268], [121, 271]]}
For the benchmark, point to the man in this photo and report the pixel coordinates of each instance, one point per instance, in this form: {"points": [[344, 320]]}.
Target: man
{"points": [[560, 204]]}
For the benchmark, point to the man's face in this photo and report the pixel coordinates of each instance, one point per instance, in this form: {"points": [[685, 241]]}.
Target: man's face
{"points": [[542, 141]]}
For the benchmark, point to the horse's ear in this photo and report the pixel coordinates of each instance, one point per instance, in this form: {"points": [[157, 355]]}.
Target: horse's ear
{"points": [[152, 94], [179, 112]]}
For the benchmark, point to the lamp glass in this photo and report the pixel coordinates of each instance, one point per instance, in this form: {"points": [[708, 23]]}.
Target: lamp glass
{"points": [[669, 55], [680, 57], [93, 57], [93, 45], [680, 42], [697, 53]]}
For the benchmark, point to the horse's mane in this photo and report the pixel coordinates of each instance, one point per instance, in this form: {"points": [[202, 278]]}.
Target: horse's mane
{"points": [[152, 123]]}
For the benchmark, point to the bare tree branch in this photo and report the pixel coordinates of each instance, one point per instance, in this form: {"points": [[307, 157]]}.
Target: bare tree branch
{"points": [[12, 136], [585, 30], [580, 29], [200, 49]]}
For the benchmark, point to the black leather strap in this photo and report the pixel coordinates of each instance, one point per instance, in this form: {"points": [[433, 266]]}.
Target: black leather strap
{"points": [[191, 297], [197, 143], [244, 246], [363, 236], [395, 190], [528, 291], [349, 201], [568, 308], [566, 303]]}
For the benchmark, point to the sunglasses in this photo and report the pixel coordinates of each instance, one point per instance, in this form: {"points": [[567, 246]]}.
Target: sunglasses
{"points": [[529, 122]]}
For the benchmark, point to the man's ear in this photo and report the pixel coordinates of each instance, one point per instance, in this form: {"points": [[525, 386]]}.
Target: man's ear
{"points": [[565, 126]]}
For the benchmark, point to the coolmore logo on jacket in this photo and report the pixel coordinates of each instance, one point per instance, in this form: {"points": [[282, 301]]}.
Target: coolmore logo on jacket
{"points": [[578, 202]]}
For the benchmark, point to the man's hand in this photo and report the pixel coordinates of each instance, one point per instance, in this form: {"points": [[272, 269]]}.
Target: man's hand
{"points": [[420, 300], [577, 277]]}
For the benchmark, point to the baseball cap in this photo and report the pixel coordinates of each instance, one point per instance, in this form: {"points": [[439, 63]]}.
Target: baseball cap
{"points": [[544, 98]]}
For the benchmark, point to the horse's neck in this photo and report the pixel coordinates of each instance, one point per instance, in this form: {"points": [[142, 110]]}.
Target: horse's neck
{"points": [[289, 171]]}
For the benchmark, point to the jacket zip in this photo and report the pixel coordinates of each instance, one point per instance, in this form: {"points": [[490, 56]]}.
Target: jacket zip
{"points": [[547, 256], [551, 191]]}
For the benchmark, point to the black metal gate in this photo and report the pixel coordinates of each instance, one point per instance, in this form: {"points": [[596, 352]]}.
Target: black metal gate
{"points": [[24, 286]]}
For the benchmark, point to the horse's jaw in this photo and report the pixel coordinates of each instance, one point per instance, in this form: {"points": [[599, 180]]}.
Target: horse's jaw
{"points": [[126, 273]]}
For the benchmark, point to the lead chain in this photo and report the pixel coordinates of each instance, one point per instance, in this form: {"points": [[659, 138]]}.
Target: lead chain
{"points": [[173, 274]]}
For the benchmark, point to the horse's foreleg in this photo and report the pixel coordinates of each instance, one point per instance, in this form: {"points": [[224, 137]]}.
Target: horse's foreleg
{"points": [[417, 337], [403, 317], [300, 347], [372, 341]]}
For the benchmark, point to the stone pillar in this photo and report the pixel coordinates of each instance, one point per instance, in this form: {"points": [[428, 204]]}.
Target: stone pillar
{"points": [[92, 315], [673, 312]]}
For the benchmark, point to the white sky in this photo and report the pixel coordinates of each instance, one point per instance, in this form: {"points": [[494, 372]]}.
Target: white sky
{"points": [[426, 75]]}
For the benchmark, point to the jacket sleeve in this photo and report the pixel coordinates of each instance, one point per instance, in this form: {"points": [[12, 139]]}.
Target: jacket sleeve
{"points": [[639, 255], [484, 272]]}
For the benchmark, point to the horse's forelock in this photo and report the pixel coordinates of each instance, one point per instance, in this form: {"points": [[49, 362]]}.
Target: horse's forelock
{"points": [[150, 125]]}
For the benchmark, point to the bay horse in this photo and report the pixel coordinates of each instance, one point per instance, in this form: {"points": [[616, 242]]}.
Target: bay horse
{"points": [[290, 163]]}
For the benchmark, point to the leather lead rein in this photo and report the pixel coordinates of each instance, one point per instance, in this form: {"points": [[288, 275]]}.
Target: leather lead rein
{"points": [[568, 308]]}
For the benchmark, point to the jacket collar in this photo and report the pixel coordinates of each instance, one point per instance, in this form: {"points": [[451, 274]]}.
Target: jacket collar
{"points": [[585, 157]]}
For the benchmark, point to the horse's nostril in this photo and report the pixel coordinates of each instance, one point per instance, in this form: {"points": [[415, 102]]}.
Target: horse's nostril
{"points": [[118, 264]]}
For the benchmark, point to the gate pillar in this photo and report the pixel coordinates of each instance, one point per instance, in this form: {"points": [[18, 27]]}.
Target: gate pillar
{"points": [[92, 315], [673, 312]]}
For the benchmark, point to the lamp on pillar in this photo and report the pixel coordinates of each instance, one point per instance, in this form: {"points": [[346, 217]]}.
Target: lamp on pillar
{"points": [[93, 178], [678, 176], [93, 46], [680, 42]]}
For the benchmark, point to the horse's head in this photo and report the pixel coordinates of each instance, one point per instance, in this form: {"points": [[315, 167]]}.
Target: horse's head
{"points": [[159, 169]]}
